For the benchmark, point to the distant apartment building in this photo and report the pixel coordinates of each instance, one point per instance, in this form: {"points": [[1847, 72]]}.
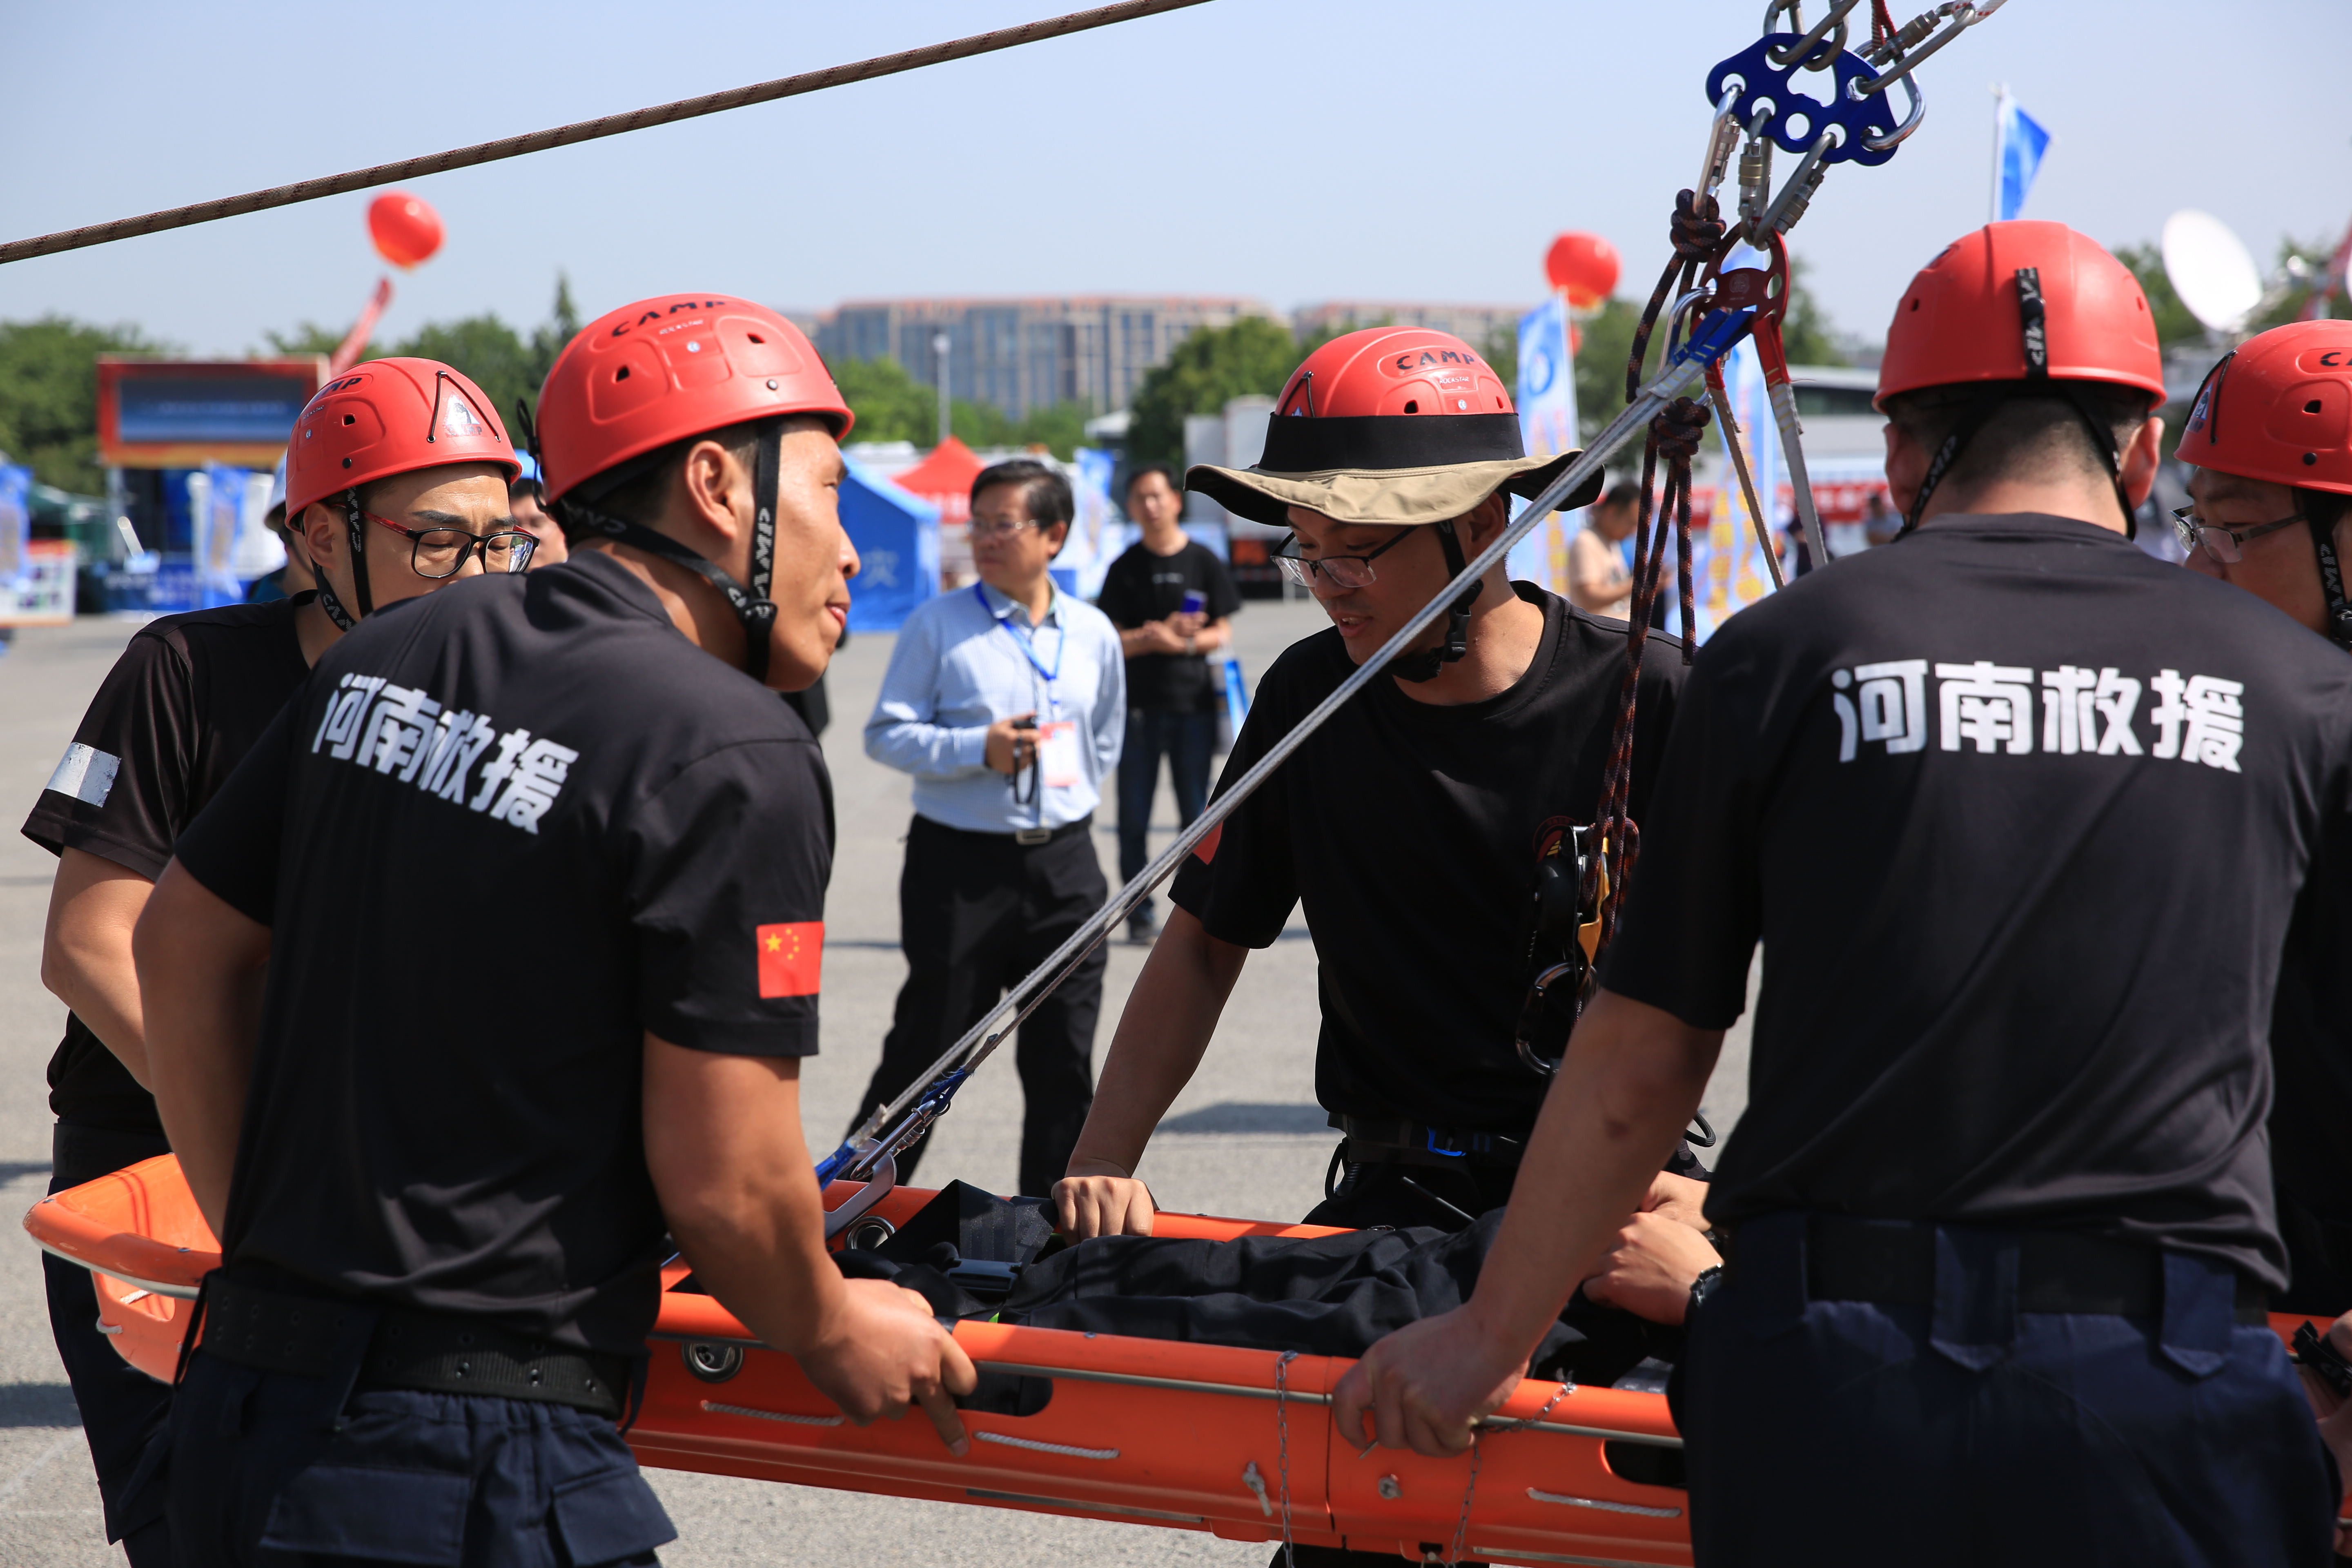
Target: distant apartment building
{"points": [[1471, 323], [1020, 355]]}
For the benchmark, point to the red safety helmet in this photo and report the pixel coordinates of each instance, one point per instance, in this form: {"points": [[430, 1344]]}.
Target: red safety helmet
{"points": [[1383, 371], [2022, 301], [2280, 409], [661, 370], [387, 417], [382, 418], [1961, 320], [649, 375], [1392, 426]]}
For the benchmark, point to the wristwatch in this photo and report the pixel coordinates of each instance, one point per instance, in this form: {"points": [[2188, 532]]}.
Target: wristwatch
{"points": [[1191, 645]]}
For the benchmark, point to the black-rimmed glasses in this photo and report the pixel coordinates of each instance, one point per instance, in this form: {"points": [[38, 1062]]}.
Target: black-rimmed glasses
{"points": [[2226, 545], [1340, 571], [438, 553]]}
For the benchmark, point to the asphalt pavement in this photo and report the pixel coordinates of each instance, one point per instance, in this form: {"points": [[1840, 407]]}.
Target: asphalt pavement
{"points": [[1246, 1138]]}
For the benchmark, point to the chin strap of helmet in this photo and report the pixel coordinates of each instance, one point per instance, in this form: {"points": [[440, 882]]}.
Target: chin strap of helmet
{"points": [[2034, 327], [355, 521], [750, 601], [1424, 664]]}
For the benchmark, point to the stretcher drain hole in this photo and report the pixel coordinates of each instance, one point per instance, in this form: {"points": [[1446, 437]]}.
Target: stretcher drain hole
{"points": [[712, 1363]]}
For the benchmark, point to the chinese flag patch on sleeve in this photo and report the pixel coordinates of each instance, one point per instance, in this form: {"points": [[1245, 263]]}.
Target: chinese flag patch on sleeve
{"points": [[790, 958]]}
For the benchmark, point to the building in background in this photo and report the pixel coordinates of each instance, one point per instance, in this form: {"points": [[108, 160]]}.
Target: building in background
{"points": [[1022, 355], [1474, 324]]}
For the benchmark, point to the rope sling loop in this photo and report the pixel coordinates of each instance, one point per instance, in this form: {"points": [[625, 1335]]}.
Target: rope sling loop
{"points": [[1708, 313], [586, 129]]}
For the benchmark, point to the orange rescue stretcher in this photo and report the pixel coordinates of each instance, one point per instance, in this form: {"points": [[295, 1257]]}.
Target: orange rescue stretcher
{"points": [[1184, 1436]]}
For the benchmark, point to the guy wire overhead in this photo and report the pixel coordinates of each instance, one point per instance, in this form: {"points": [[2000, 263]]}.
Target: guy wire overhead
{"points": [[586, 129]]}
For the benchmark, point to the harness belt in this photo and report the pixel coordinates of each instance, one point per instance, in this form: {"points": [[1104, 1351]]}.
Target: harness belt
{"points": [[1411, 1144], [433, 1352], [1894, 1263]]}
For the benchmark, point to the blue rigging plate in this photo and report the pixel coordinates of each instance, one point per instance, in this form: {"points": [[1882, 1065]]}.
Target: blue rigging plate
{"points": [[1799, 118]]}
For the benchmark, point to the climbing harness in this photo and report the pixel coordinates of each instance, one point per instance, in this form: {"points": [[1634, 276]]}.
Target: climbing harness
{"points": [[1753, 94]]}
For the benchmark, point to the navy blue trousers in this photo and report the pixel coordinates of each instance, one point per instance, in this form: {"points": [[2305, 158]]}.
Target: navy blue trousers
{"points": [[1186, 740], [1966, 1432], [122, 1409], [280, 1471]]}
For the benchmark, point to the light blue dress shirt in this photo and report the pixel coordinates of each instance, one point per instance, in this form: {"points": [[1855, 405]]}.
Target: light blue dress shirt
{"points": [[968, 658]]}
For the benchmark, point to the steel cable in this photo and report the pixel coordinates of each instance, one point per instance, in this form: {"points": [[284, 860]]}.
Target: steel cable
{"points": [[585, 130]]}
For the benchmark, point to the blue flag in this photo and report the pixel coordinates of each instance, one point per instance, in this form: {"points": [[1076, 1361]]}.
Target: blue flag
{"points": [[2018, 142]]}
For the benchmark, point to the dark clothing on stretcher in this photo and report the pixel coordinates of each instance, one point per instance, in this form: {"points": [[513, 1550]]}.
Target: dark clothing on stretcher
{"points": [[1332, 1295]]}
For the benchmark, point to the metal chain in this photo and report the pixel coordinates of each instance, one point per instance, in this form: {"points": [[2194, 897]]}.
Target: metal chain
{"points": [[1282, 1447]]}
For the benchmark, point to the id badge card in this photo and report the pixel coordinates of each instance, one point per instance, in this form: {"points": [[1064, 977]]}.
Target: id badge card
{"points": [[1057, 753]]}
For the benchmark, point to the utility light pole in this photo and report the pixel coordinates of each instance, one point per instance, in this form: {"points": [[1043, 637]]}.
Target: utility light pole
{"points": [[940, 343]]}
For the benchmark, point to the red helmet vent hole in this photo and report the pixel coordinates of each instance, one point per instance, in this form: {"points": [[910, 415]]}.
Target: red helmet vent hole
{"points": [[2310, 459], [2312, 406], [622, 374], [1414, 406], [350, 418], [755, 337], [1914, 304]]}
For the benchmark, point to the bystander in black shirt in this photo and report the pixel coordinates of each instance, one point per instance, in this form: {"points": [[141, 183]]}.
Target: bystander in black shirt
{"points": [[1410, 833], [2021, 815], [2311, 1048], [1141, 586], [507, 829], [179, 711]]}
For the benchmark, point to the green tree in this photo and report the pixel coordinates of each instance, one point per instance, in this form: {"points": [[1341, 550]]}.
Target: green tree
{"points": [[1213, 364], [2174, 324], [1606, 338], [48, 396], [1806, 335], [891, 405]]}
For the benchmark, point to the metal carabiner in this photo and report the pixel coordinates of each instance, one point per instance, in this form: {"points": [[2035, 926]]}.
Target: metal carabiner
{"points": [[1895, 137], [1801, 54], [1964, 15], [1796, 194], [1721, 137]]}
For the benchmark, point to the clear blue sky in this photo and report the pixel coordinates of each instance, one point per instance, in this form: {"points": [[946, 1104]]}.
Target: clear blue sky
{"points": [[1293, 150]]}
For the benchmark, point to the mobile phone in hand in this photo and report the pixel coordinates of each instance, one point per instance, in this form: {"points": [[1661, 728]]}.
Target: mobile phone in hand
{"points": [[1195, 601]]}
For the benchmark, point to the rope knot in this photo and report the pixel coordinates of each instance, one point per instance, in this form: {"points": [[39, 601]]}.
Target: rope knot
{"points": [[1678, 428], [1695, 228]]}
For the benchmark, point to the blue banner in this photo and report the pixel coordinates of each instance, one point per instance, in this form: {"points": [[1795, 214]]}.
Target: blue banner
{"points": [[897, 540], [1547, 398], [16, 527], [1727, 567], [2019, 142]]}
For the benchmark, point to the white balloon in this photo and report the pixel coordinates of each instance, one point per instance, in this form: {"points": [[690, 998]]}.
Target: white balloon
{"points": [[2211, 269]]}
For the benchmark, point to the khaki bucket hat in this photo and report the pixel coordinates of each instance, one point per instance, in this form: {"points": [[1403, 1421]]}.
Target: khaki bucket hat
{"points": [[1388, 426]]}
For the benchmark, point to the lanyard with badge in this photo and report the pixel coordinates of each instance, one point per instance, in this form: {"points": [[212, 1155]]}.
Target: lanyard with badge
{"points": [[1057, 738]]}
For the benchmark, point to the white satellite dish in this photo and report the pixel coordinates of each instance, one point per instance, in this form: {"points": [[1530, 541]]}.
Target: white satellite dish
{"points": [[2211, 269]]}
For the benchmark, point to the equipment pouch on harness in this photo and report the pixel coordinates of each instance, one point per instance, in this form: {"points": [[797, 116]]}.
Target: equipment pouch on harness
{"points": [[1561, 948]]}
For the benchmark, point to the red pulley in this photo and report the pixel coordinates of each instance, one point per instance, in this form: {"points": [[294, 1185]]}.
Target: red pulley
{"points": [[405, 228], [1583, 265]]}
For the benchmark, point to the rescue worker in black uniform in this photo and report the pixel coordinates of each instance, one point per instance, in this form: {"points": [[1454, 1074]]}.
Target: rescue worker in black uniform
{"points": [[2021, 816], [179, 711], [1412, 826], [441, 1175], [2269, 440]]}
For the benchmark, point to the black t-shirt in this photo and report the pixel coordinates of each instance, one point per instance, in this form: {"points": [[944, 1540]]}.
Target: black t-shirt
{"points": [[506, 830], [1141, 586], [2021, 815], [2311, 1042], [1411, 832], [178, 712]]}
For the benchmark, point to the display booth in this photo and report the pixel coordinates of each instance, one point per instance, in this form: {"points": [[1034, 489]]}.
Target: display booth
{"points": [[897, 539]]}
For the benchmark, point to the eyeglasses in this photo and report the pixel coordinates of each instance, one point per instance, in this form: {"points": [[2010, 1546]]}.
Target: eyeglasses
{"points": [[2226, 545], [437, 553], [982, 528], [1340, 571]]}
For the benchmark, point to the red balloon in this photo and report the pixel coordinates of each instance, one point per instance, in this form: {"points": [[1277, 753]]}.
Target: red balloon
{"points": [[405, 229], [1584, 265]]}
